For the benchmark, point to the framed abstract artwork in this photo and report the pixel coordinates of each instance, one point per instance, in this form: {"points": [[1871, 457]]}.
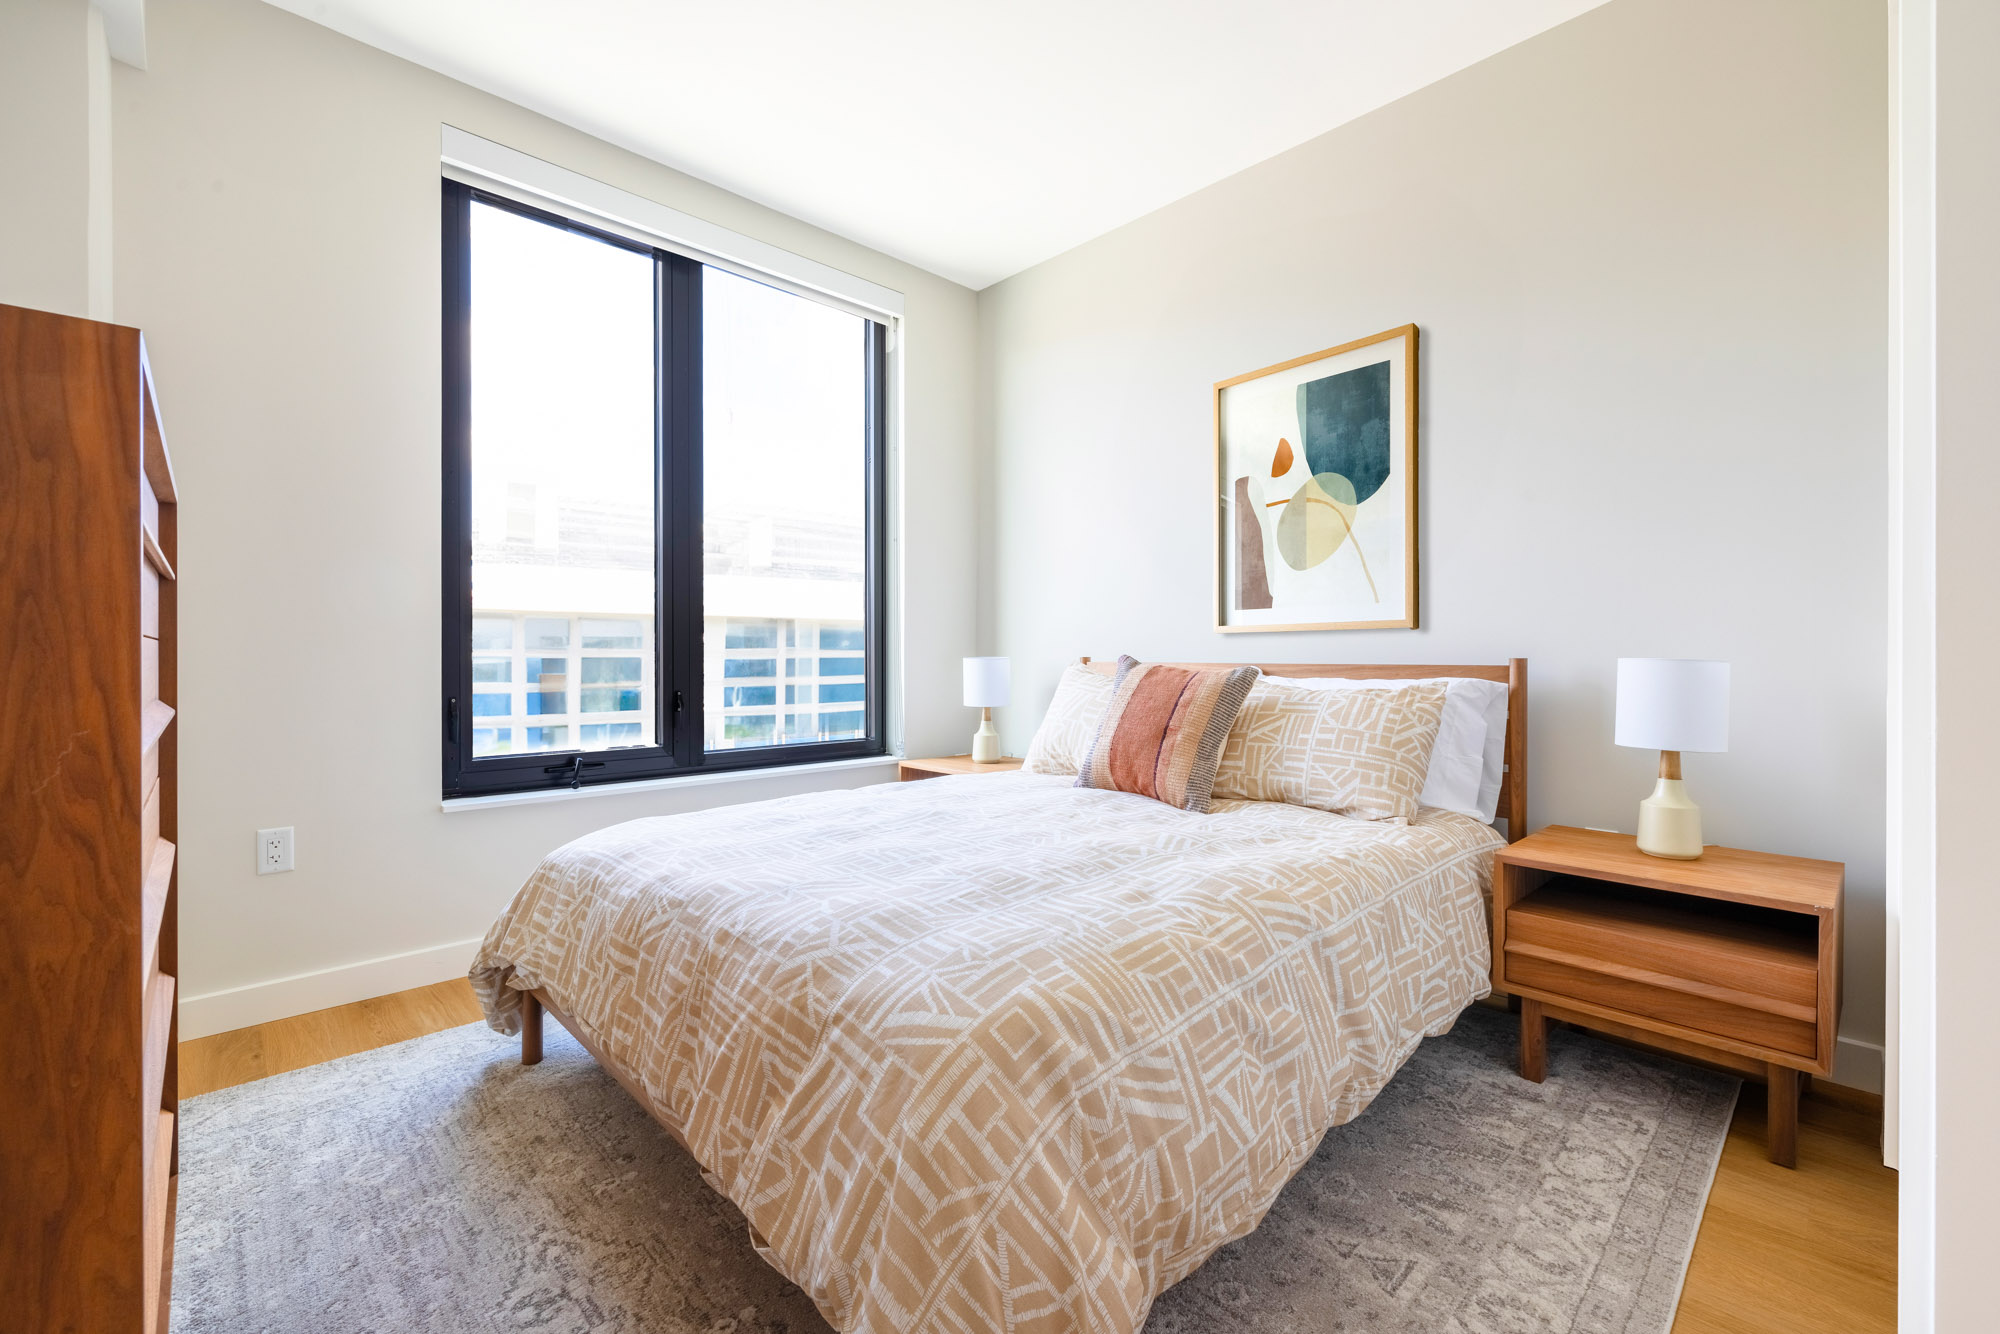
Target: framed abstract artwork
{"points": [[1316, 490]]}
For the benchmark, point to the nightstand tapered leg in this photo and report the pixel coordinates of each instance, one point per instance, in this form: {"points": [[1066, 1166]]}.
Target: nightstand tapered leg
{"points": [[1781, 1121], [1534, 1041]]}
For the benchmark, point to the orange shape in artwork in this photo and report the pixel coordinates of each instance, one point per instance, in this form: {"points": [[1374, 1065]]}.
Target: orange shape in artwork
{"points": [[1283, 463]]}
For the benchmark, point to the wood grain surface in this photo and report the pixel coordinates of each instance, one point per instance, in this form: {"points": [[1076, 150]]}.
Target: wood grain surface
{"points": [[79, 1124], [939, 766]]}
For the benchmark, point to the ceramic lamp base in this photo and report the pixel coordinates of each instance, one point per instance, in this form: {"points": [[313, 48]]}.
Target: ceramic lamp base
{"points": [[1670, 824], [986, 741]]}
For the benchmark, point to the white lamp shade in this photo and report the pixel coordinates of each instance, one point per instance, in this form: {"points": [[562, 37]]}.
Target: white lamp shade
{"points": [[1673, 704], [987, 681]]}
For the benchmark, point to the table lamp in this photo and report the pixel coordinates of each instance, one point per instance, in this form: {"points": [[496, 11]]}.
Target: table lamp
{"points": [[986, 685], [1671, 705]]}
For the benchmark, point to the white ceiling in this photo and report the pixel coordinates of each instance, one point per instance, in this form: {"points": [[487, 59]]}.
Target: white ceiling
{"points": [[973, 138]]}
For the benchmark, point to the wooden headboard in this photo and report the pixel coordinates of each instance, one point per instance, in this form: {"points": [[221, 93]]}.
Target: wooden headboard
{"points": [[1513, 783]]}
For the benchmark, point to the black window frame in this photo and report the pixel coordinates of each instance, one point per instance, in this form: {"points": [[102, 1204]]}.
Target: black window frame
{"points": [[678, 750]]}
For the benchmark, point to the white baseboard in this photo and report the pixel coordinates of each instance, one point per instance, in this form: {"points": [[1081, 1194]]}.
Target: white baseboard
{"points": [[1858, 1065], [282, 997]]}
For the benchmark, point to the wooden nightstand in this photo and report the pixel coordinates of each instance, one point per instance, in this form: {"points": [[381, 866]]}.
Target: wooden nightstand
{"points": [[1733, 958], [952, 764]]}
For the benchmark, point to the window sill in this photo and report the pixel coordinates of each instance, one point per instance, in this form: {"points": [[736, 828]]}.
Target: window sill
{"points": [[450, 805]]}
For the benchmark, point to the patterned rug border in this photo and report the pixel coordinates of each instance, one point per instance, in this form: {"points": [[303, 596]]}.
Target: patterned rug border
{"points": [[1686, 1257], [1711, 1163], [1609, 1302]]}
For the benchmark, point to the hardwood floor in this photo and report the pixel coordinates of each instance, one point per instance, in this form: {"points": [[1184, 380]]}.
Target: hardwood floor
{"points": [[237, 1057], [1804, 1250], [1780, 1252]]}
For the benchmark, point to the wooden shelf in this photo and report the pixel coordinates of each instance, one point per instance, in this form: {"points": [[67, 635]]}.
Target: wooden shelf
{"points": [[161, 1314], [153, 905], [153, 723], [154, 556], [149, 824], [157, 464], [159, 1027], [149, 602], [162, 1185]]}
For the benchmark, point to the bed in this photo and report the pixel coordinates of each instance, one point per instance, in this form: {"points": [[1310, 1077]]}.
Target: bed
{"points": [[995, 1052]]}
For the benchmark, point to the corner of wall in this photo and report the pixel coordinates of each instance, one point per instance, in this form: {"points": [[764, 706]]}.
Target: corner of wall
{"points": [[986, 513]]}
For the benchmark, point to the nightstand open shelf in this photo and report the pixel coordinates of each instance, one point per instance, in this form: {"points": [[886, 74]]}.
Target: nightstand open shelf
{"points": [[1733, 958], [1748, 975]]}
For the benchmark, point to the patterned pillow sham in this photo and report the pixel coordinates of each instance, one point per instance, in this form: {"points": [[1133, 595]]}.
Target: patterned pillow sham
{"points": [[1070, 725], [1163, 731], [1362, 753]]}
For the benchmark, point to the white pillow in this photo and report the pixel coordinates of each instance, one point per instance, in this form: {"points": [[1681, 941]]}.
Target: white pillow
{"points": [[1494, 693], [1471, 750], [1070, 725]]}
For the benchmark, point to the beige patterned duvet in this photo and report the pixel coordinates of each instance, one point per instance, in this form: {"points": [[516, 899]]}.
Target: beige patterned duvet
{"points": [[995, 1052]]}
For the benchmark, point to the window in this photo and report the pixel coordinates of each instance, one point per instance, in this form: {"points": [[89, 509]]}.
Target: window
{"points": [[663, 491]]}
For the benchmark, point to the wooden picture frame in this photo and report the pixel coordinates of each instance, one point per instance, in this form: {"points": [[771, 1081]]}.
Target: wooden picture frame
{"points": [[1273, 575]]}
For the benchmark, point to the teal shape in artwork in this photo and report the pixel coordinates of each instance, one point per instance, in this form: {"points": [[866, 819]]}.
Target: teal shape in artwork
{"points": [[1344, 427]]}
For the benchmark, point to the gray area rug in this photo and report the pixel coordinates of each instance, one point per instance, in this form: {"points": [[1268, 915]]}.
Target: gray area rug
{"points": [[437, 1185]]}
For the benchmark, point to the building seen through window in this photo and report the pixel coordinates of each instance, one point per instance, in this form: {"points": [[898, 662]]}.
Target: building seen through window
{"points": [[784, 650]]}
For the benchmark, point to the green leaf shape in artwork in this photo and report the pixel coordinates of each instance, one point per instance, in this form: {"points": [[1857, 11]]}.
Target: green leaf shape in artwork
{"points": [[1344, 426]]}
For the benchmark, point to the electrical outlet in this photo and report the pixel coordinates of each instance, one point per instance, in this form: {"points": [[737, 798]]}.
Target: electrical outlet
{"points": [[274, 850]]}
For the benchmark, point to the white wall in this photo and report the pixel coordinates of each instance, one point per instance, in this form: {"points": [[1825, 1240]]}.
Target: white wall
{"points": [[55, 142], [1967, 1068], [97, 223], [1648, 253], [277, 238]]}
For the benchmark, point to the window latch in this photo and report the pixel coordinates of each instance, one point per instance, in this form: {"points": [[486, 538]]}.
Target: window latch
{"points": [[451, 720], [574, 769], [677, 701]]}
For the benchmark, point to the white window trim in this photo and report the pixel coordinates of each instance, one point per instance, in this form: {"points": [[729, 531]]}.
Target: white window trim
{"points": [[668, 783], [490, 166]]}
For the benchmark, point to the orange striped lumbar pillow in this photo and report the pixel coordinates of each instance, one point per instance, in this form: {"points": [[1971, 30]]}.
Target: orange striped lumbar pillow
{"points": [[1162, 731]]}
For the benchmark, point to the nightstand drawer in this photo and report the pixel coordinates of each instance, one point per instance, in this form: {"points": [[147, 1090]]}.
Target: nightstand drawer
{"points": [[1739, 972], [1660, 996]]}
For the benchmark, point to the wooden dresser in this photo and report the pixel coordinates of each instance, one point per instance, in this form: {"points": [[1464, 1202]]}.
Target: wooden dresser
{"points": [[87, 875]]}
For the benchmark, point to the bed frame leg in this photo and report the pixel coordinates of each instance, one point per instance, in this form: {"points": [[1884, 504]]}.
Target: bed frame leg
{"points": [[531, 1029]]}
